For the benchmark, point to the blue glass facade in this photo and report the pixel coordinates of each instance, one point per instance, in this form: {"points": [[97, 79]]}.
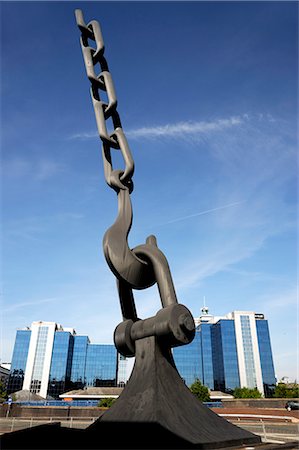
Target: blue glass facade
{"points": [[207, 371], [188, 361], [266, 358], [225, 359], [213, 356], [61, 363], [78, 362], [75, 363], [19, 359], [101, 365]]}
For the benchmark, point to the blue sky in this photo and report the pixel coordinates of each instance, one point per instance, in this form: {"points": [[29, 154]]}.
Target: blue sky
{"points": [[207, 94]]}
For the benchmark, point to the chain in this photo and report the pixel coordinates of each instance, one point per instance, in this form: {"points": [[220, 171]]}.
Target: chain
{"points": [[104, 111], [144, 265]]}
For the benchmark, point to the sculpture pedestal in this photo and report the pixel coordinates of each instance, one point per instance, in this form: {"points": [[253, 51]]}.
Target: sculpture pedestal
{"points": [[157, 404]]}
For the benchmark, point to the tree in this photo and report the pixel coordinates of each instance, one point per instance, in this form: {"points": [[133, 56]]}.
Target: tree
{"points": [[3, 393], [246, 393], [200, 391], [106, 402], [282, 390]]}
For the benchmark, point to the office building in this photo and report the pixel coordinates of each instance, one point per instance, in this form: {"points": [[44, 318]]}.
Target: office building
{"points": [[229, 352], [49, 359]]}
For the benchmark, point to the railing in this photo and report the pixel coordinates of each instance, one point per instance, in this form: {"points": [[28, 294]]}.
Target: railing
{"points": [[275, 432], [271, 432], [82, 403], [256, 417], [213, 404], [85, 403], [9, 425]]}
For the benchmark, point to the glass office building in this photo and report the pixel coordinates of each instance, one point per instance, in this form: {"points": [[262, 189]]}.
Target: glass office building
{"points": [[49, 360], [229, 352], [265, 350], [195, 360], [61, 363], [187, 360], [80, 344], [19, 358], [225, 358], [207, 369], [101, 365]]}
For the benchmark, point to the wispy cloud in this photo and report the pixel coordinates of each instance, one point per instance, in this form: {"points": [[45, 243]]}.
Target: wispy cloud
{"points": [[186, 128], [256, 162], [202, 213], [171, 130], [27, 304], [84, 135]]}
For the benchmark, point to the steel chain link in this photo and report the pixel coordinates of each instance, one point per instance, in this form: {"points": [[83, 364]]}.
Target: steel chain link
{"points": [[144, 265], [102, 82]]}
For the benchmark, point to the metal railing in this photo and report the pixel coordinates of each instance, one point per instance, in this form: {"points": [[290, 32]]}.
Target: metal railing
{"points": [[275, 432], [8, 425], [82, 403]]}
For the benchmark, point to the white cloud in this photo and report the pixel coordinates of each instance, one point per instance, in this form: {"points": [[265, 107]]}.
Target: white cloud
{"points": [[84, 135], [179, 129], [27, 304], [186, 128], [201, 213]]}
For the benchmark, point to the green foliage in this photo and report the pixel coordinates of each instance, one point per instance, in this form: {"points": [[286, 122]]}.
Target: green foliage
{"points": [[3, 393], [200, 391], [246, 393], [282, 390], [106, 402]]}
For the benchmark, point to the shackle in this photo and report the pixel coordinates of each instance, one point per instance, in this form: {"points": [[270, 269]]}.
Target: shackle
{"points": [[174, 325]]}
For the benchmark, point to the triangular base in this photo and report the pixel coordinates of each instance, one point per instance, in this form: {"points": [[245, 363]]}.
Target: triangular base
{"points": [[156, 396]]}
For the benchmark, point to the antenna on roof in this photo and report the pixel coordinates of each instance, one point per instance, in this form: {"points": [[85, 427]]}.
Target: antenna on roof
{"points": [[204, 309]]}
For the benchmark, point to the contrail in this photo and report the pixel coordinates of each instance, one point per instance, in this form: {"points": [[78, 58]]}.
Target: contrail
{"points": [[174, 129], [182, 128], [207, 211]]}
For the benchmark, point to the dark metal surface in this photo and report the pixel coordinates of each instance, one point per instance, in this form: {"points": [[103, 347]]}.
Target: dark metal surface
{"points": [[155, 393], [155, 397], [144, 265]]}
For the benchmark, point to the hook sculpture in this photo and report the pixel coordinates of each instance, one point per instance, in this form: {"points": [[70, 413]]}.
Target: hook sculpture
{"points": [[155, 398]]}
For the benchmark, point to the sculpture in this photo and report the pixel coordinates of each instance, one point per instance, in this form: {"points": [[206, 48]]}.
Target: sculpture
{"points": [[155, 394]]}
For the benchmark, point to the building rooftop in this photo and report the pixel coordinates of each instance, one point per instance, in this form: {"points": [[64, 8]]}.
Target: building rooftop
{"points": [[93, 393]]}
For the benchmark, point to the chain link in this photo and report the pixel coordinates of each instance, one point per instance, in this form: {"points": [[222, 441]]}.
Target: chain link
{"points": [[144, 265], [104, 111]]}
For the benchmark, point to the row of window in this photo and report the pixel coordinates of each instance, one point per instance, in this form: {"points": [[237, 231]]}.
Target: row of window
{"points": [[212, 356]]}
